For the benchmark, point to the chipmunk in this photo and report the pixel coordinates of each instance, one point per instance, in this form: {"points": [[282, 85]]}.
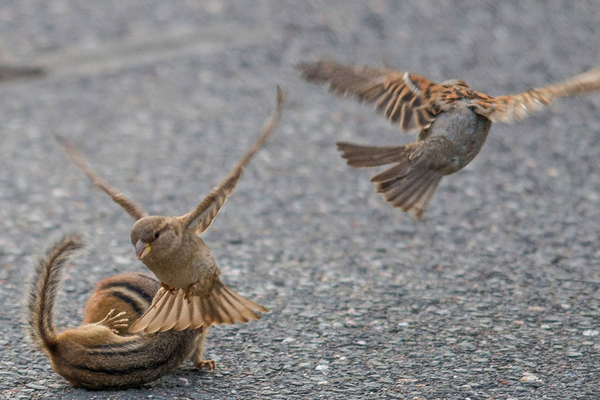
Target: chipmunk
{"points": [[100, 353]]}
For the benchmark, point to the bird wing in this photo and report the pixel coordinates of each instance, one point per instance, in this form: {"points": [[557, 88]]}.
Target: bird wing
{"points": [[173, 310], [79, 160], [515, 107], [207, 210], [407, 99]]}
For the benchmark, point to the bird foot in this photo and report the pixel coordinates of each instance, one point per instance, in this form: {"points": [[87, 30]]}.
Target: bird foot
{"points": [[190, 291], [206, 365], [168, 287]]}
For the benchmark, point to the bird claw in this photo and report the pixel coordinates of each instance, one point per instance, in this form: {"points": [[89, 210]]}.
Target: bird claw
{"points": [[190, 291], [168, 288], [206, 365]]}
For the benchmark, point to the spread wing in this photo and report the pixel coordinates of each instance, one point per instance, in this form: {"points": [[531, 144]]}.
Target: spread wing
{"points": [[403, 98], [207, 210], [515, 107], [79, 160]]}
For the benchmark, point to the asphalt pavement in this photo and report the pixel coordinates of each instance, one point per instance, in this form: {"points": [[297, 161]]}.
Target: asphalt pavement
{"points": [[494, 296]]}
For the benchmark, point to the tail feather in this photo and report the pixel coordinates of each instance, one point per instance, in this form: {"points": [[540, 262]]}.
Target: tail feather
{"points": [[412, 192], [185, 316], [373, 156], [45, 291], [171, 310], [394, 172], [197, 320]]}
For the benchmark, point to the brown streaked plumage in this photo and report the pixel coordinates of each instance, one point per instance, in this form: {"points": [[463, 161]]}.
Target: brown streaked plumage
{"points": [[452, 121], [192, 294], [100, 354]]}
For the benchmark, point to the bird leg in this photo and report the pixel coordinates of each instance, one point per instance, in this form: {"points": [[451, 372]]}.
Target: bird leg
{"points": [[168, 287], [197, 356], [206, 365], [190, 291]]}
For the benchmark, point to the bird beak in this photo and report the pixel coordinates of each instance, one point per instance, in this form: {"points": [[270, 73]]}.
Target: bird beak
{"points": [[142, 249]]}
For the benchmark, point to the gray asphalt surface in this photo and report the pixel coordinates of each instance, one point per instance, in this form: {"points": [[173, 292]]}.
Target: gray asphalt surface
{"points": [[494, 296]]}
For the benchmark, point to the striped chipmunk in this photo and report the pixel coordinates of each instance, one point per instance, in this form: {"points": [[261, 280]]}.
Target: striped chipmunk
{"points": [[100, 354]]}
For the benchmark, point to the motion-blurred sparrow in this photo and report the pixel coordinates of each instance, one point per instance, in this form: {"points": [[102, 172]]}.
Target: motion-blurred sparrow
{"points": [[452, 120]]}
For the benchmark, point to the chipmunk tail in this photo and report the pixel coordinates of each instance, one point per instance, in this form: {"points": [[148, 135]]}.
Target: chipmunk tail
{"points": [[172, 310], [44, 291]]}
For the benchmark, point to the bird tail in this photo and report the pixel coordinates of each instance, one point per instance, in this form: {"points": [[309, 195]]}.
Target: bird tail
{"points": [[404, 185], [411, 192], [172, 310], [373, 156], [44, 291]]}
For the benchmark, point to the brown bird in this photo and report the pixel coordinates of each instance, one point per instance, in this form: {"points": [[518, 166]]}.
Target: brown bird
{"points": [[452, 120], [192, 294]]}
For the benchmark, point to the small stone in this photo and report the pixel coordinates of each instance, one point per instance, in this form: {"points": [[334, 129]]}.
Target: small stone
{"points": [[552, 172], [406, 380], [591, 332], [36, 386], [528, 377], [536, 309], [55, 386]]}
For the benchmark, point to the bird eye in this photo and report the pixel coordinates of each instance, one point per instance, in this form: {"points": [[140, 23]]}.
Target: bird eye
{"points": [[156, 235]]}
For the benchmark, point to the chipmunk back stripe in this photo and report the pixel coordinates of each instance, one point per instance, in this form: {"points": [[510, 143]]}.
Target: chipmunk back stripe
{"points": [[129, 369], [135, 341], [131, 301], [130, 287], [120, 352]]}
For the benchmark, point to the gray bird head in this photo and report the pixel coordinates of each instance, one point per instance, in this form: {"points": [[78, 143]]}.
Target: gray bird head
{"points": [[156, 236]]}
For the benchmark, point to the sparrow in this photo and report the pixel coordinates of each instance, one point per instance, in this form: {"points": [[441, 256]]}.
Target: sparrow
{"points": [[191, 294], [451, 119]]}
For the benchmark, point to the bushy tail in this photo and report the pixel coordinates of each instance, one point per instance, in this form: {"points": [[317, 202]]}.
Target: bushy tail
{"points": [[45, 290]]}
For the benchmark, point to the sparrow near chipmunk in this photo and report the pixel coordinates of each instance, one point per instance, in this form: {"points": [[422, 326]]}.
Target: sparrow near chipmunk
{"points": [[100, 353], [192, 294], [452, 121]]}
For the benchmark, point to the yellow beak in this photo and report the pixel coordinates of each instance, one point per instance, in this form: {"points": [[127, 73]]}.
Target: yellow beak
{"points": [[142, 249]]}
